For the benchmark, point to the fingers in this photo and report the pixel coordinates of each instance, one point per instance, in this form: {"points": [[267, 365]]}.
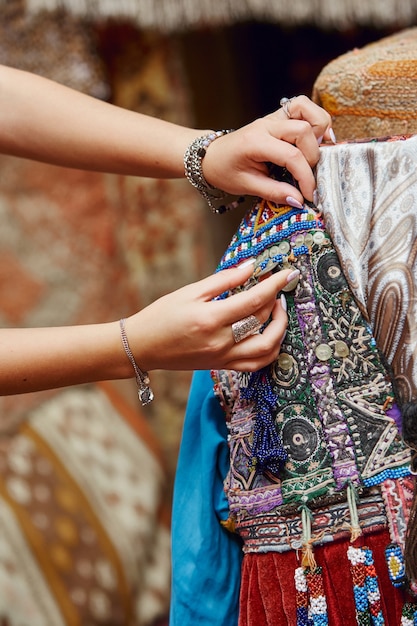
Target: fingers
{"points": [[238, 162], [302, 108], [187, 329], [261, 349], [224, 281], [297, 150], [299, 133], [261, 301], [258, 300]]}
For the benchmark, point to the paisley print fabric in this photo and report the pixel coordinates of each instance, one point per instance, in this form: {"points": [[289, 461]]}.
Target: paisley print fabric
{"points": [[368, 196]]}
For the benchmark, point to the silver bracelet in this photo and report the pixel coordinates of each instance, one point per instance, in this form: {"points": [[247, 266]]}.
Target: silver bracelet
{"points": [[219, 201], [145, 393]]}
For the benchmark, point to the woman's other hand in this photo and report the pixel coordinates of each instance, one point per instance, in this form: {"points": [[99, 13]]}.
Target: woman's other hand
{"points": [[237, 162]]}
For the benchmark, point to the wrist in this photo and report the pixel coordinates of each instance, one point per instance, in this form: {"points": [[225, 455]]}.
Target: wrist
{"points": [[218, 200], [145, 393]]}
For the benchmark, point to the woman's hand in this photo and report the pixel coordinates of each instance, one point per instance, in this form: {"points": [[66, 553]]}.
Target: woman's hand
{"points": [[237, 162], [184, 330], [187, 329]]}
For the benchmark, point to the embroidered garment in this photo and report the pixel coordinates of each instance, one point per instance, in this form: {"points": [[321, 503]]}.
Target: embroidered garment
{"points": [[320, 426], [322, 416]]}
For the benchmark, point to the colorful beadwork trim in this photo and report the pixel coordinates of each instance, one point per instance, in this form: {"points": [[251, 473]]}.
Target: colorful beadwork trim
{"points": [[390, 472], [310, 598], [409, 614], [396, 566], [268, 227], [365, 587]]}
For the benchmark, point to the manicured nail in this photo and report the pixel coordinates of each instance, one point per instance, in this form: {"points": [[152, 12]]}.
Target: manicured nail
{"points": [[251, 261], [315, 197], [293, 202], [283, 300], [332, 135], [319, 139], [292, 276]]}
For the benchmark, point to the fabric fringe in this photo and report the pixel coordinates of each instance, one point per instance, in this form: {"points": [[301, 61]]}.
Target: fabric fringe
{"points": [[180, 15], [308, 560], [355, 529]]}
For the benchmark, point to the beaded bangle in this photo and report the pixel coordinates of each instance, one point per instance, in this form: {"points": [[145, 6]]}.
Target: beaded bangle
{"points": [[219, 201], [145, 393]]}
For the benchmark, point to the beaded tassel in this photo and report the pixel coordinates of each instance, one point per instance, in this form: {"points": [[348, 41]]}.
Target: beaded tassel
{"points": [[318, 605], [301, 597], [267, 449], [308, 561], [365, 587], [396, 565], [409, 614], [310, 598]]}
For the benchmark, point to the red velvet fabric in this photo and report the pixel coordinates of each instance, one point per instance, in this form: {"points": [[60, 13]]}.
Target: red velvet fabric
{"points": [[268, 589]]}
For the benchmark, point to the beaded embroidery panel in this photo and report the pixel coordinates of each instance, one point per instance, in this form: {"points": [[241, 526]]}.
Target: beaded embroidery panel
{"points": [[323, 415]]}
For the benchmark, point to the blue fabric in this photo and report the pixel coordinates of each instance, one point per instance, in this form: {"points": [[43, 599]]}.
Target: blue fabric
{"points": [[206, 558]]}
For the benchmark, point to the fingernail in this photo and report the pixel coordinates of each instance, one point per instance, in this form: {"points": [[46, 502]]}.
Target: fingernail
{"points": [[241, 266], [332, 135], [293, 202], [292, 276], [320, 139], [283, 300], [315, 197]]}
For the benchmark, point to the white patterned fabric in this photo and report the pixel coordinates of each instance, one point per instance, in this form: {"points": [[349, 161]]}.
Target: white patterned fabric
{"points": [[368, 196]]}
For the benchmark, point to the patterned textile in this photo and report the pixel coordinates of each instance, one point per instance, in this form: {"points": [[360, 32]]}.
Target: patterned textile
{"points": [[371, 92], [266, 583], [368, 195], [83, 537], [316, 452], [321, 418]]}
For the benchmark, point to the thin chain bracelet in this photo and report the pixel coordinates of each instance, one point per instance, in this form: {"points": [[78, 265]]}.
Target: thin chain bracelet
{"points": [[145, 393], [219, 201]]}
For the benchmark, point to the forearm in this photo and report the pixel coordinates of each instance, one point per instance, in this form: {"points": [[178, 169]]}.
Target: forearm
{"points": [[45, 121], [47, 358]]}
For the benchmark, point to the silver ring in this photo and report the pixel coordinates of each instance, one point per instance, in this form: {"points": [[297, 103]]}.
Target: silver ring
{"points": [[285, 104], [245, 328]]}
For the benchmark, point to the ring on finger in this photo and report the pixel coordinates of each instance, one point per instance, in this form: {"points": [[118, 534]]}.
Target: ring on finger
{"points": [[245, 328], [285, 104]]}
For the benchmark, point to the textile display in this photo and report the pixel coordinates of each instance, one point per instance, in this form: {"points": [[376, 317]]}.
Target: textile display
{"points": [[319, 472], [84, 533]]}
